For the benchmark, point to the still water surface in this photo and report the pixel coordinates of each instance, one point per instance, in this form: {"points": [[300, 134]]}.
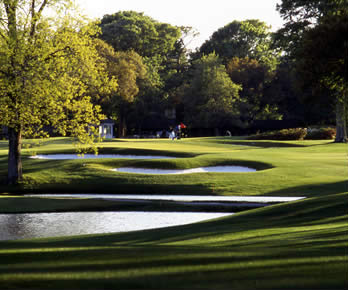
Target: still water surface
{"points": [[27, 226]]}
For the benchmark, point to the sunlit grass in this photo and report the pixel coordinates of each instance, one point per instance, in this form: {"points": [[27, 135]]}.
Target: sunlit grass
{"points": [[305, 168]]}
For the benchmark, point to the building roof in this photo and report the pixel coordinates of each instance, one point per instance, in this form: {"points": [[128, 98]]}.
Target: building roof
{"points": [[107, 121]]}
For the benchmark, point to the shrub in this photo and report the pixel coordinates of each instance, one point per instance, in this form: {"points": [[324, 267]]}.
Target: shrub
{"points": [[321, 133], [284, 134]]}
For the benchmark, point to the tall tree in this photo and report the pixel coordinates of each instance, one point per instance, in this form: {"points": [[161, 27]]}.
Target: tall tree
{"points": [[211, 96], [157, 43], [127, 30], [47, 66], [323, 62], [254, 78], [301, 15], [304, 19], [128, 68], [249, 38]]}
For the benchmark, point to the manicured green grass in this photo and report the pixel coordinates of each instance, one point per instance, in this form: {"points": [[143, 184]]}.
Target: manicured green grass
{"points": [[308, 168], [298, 245]]}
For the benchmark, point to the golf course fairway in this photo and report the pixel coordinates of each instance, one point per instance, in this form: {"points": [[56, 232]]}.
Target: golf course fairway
{"points": [[296, 245]]}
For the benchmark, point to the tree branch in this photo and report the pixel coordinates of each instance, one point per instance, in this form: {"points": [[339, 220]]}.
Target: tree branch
{"points": [[35, 16], [3, 36], [32, 9], [26, 67], [43, 5]]}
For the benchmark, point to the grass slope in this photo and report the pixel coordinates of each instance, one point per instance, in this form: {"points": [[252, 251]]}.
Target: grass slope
{"points": [[298, 245]]}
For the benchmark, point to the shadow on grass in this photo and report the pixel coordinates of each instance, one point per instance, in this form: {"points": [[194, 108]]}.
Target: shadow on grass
{"points": [[269, 143], [184, 267], [317, 189], [263, 144], [287, 246]]}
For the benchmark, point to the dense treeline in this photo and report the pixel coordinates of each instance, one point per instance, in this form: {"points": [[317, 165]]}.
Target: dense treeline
{"points": [[242, 75]]}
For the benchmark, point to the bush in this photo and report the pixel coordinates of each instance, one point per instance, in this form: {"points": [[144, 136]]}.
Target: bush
{"points": [[284, 134], [321, 133]]}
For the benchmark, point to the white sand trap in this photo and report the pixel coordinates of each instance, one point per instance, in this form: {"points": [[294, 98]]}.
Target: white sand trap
{"points": [[216, 169], [93, 156]]}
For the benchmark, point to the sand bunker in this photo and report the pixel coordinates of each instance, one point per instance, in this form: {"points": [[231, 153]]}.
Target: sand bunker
{"points": [[216, 169], [93, 156]]}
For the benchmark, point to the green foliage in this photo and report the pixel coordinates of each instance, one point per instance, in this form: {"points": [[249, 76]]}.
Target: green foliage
{"points": [[301, 15], [48, 68], [323, 64], [211, 95], [127, 30], [249, 38], [163, 53], [128, 68], [284, 134], [254, 77], [308, 11], [323, 58], [46, 74]]}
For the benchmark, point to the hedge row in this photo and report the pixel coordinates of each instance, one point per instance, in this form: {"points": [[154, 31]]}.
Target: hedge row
{"points": [[321, 133], [297, 134]]}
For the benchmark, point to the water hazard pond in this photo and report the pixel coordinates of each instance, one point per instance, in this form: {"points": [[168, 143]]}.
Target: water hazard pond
{"points": [[27, 226], [42, 225]]}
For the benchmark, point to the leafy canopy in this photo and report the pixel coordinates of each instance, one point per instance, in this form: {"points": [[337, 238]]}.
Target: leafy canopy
{"points": [[127, 30], [211, 95], [301, 15], [48, 68], [249, 38], [254, 78], [323, 55]]}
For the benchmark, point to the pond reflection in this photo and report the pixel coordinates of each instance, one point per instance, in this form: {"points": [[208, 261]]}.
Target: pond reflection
{"points": [[26, 226]]}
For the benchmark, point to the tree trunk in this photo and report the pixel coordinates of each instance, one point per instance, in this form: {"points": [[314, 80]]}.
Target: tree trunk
{"points": [[14, 156], [341, 127], [122, 125]]}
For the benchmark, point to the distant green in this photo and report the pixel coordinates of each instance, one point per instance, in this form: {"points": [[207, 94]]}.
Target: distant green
{"points": [[304, 168]]}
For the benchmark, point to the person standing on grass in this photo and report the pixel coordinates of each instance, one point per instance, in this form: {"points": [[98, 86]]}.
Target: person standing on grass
{"points": [[171, 133]]}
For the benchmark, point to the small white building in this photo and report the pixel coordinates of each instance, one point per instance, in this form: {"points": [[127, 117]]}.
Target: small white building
{"points": [[106, 129]]}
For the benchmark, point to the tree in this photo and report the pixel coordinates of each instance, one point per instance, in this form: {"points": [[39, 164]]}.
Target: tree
{"points": [[128, 68], [323, 62], [130, 30], [294, 103], [211, 95], [47, 67], [249, 38], [177, 66], [158, 43], [301, 15], [254, 78]]}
